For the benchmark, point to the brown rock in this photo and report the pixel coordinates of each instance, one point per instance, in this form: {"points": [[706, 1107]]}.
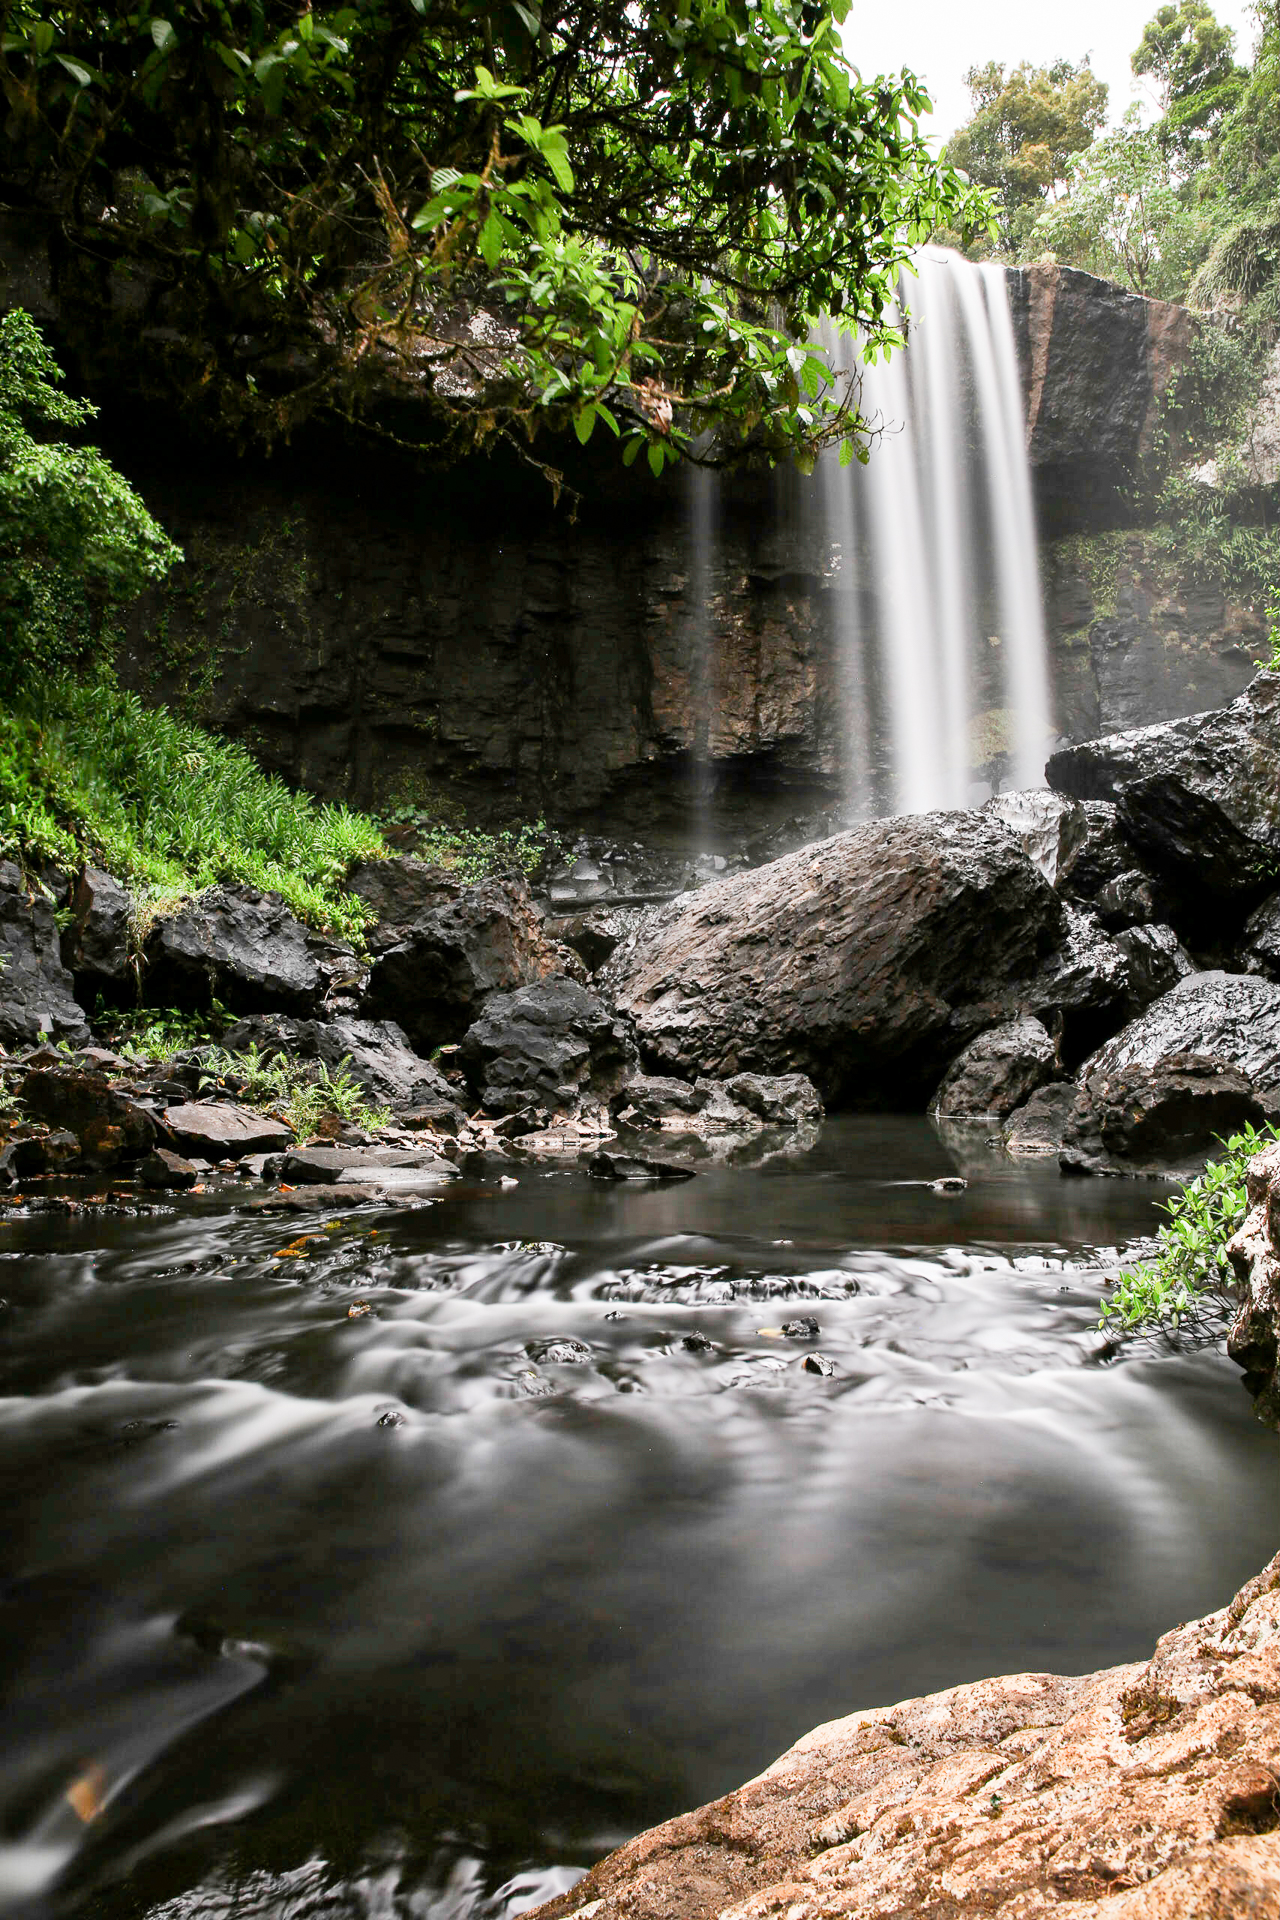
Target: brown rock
{"points": [[165, 1169], [1139, 1793], [215, 1131], [108, 1125], [1254, 1339]]}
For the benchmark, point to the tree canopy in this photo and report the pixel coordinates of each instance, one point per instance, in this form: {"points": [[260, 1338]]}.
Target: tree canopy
{"points": [[1190, 56], [1026, 127], [607, 212]]}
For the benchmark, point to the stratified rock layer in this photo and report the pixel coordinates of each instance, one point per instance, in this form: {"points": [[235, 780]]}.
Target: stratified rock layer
{"points": [[866, 961], [1145, 1792]]}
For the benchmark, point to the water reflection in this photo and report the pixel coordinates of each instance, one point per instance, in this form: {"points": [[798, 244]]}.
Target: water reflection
{"points": [[415, 1606]]}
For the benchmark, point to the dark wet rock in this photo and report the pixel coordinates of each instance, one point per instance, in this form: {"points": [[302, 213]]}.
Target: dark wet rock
{"points": [[551, 1044], [818, 1363], [656, 1100], [391, 1418], [631, 1166], [249, 951], [1261, 948], [109, 1126], [950, 1183], [1173, 1110], [777, 1100], [399, 891], [376, 1053], [311, 1200], [37, 999], [865, 961], [696, 1343], [1199, 798], [1035, 817], [1040, 1125], [97, 946], [1130, 900], [446, 964], [745, 1105], [1254, 1338], [560, 1353], [163, 1168], [1083, 991], [30, 1157], [997, 1071], [1157, 961], [217, 1131], [376, 1166], [804, 1328], [1223, 1016], [594, 936], [1091, 849]]}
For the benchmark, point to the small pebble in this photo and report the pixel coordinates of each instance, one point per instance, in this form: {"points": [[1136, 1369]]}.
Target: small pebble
{"points": [[697, 1343], [819, 1363], [806, 1328]]}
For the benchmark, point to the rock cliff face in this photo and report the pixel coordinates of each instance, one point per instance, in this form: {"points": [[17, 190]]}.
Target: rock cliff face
{"points": [[1146, 1792]]}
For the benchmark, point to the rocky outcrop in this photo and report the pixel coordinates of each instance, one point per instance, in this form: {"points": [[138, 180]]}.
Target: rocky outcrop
{"points": [[865, 961], [36, 991], [1144, 1792], [1230, 1017], [98, 947], [996, 1072], [246, 949], [376, 1054], [1254, 1339], [746, 1104], [552, 1044], [1198, 798], [1167, 1113], [108, 1125], [435, 972]]}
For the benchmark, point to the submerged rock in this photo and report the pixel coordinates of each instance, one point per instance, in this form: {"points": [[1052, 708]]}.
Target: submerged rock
{"points": [[551, 1044], [1199, 798], [863, 961], [632, 1166], [37, 998], [1144, 1792], [997, 1072], [248, 950]]}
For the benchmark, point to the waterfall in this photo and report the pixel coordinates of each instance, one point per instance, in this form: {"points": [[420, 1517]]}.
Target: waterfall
{"points": [[933, 553], [930, 590]]}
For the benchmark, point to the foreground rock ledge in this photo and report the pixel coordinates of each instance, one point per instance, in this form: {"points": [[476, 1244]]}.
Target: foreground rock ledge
{"points": [[1145, 1792]]}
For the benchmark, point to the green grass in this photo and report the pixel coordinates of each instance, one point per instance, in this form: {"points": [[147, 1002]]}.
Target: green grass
{"points": [[88, 771], [1189, 1268], [470, 852], [154, 1034]]}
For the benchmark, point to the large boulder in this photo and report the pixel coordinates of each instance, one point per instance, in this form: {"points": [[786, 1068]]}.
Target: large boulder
{"points": [[97, 946], [1084, 989], [398, 891], [1232, 1017], [865, 961], [1156, 960], [1199, 798], [997, 1071], [552, 1044], [376, 1053], [37, 999], [248, 950], [434, 973], [1171, 1111], [109, 1126]]}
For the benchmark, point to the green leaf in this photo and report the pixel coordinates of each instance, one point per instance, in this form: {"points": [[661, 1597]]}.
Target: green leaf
{"points": [[163, 35], [557, 159], [655, 458], [631, 449], [583, 422], [81, 74], [847, 451], [491, 240]]}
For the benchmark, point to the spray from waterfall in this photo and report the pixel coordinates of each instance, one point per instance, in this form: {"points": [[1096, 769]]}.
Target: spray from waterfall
{"points": [[929, 557]]}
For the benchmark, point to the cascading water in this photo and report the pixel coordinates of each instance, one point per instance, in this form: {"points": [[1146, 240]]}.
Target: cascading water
{"points": [[928, 559]]}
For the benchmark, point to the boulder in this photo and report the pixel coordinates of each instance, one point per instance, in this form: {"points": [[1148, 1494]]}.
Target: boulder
{"points": [[37, 1000], [1042, 1123], [165, 1169], [1130, 900], [1262, 939], [1083, 991], [442, 967], [595, 936], [377, 1055], [1157, 961], [654, 1101], [997, 1072], [1254, 1338], [1173, 1111], [1142, 1792], [383, 1167], [32, 1155], [214, 1130], [248, 950], [97, 946], [1232, 1017], [1199, 798], [1035, 816], [1091, 849], [865, 961], [777, 1100], [109, 1126], [550, 1044], [400, 890]]}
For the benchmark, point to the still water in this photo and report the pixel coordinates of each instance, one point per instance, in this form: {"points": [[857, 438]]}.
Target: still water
{"points": [[391, 1611]]}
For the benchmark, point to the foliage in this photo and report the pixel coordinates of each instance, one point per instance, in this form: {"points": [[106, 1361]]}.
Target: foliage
{"points": [[76, 542], [1191, 57], [1272, 660], [1026, 128], [89, 770], [1123, 216], [1190, 1265], [593, 211], [156, 1033], [300, 1092], [469, 851]]}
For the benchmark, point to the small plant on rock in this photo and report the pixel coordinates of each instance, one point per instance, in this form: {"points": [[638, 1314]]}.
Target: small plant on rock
{"points": [[303, 1093], [1189, 1268]]}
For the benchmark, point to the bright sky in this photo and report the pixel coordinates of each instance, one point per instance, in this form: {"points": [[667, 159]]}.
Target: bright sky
{"points": [[941, 39]]}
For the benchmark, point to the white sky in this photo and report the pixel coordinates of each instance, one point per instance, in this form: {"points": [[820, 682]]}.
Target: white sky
{"points": [[940, 39]]}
